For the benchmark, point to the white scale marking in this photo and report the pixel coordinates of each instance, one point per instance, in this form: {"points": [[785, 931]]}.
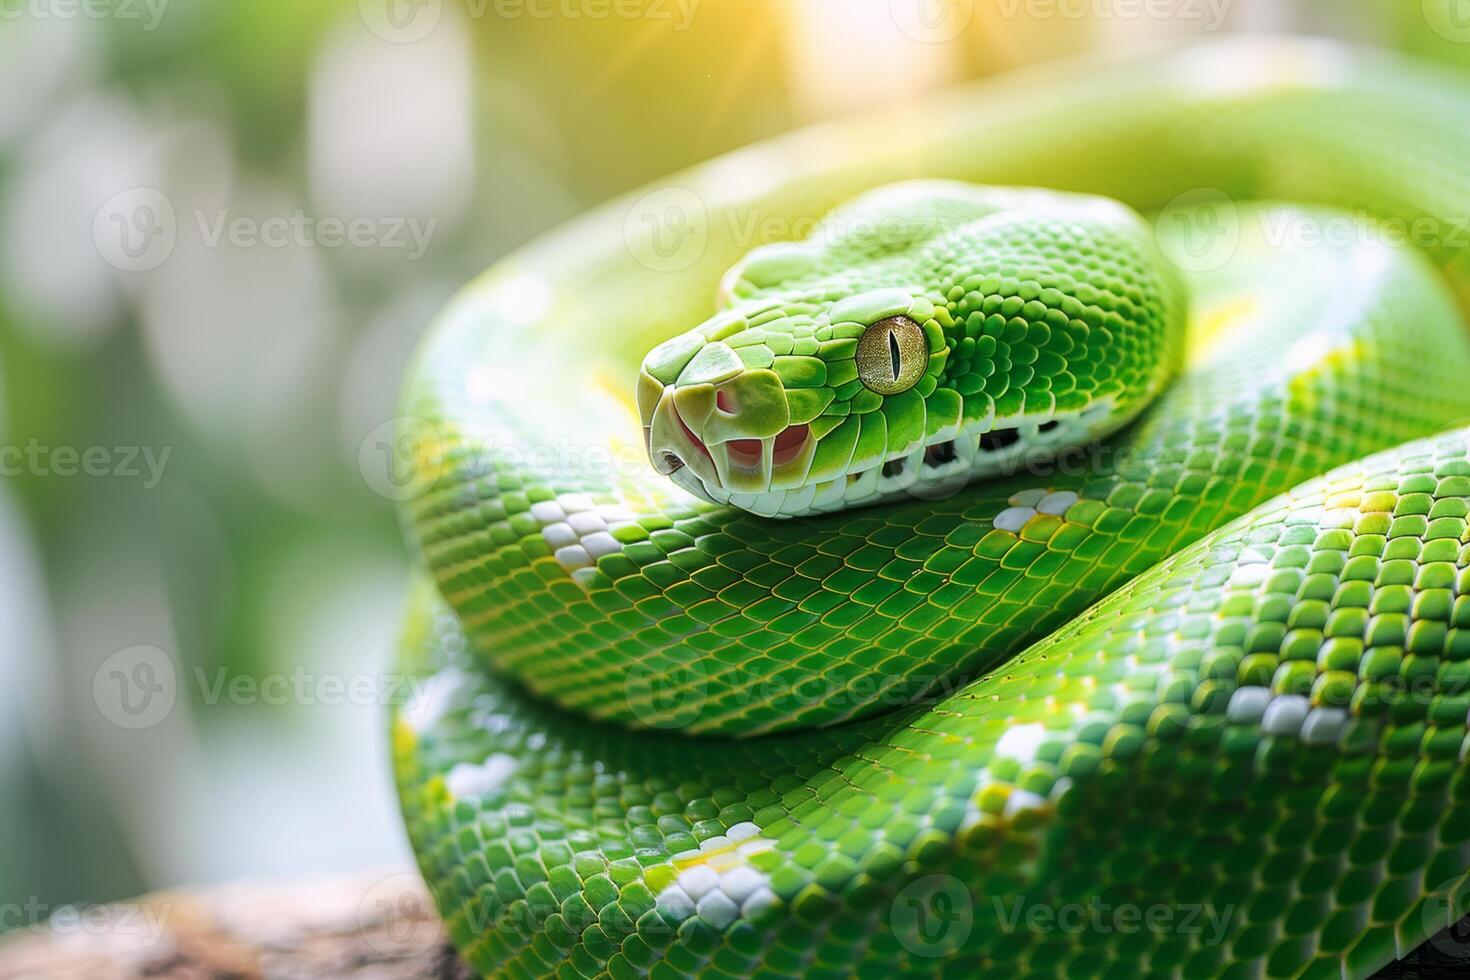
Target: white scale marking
{"points": [[579, 531], [724, 886]]}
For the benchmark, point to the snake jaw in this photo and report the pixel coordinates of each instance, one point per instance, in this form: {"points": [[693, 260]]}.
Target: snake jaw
{"points": [[675, 448], [720, 429], [706, 435], [697, 444]]}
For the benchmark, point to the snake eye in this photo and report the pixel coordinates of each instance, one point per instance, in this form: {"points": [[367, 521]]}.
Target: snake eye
{"points": [[892, 355]]}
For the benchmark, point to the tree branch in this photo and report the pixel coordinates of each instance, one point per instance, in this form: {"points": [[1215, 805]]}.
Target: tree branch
{"points": [[378, 925]]}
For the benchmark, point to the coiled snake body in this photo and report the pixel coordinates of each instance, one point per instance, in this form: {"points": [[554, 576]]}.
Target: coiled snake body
{"points": [[1055, 664]]}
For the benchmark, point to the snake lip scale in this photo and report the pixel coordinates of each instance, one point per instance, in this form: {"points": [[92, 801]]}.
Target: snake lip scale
{"points": [[1044, 568]]}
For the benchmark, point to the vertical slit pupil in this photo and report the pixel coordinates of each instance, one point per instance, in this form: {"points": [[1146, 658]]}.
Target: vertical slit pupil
{"points": [[893, 354]]}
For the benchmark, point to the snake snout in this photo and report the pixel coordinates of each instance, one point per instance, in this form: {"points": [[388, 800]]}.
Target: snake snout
{"points": [[727, 436], [672, 447]]}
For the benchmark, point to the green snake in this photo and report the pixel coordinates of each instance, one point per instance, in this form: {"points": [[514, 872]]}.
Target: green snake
{"points": [[871, 565]]}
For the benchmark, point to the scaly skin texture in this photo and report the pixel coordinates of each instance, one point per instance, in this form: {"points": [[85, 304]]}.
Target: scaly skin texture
{"points": [[1257, 744], [1253, 746]]}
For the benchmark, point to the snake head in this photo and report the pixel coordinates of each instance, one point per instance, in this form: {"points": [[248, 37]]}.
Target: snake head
{"points": [[926, 334], [762, 402]]}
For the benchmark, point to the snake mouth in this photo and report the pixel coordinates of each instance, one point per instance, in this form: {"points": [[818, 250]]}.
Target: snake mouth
{"points": [[785, 448], [680, 446]]}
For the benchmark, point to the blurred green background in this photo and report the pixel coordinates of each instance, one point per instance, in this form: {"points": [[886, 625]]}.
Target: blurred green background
{"points": [[223, 225]]}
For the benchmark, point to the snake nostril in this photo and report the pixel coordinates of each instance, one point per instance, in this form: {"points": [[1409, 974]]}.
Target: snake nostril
{"points": [[724, 403], [673, 462]]}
